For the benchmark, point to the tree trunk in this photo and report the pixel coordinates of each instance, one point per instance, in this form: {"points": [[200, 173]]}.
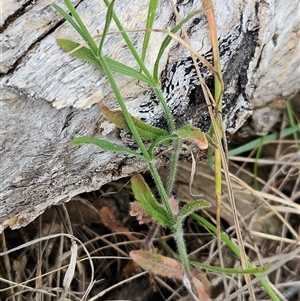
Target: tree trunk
{"points": [[49, 97]]}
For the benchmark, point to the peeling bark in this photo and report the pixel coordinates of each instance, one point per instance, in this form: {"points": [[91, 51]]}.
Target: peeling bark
{"points": [[49, 97]]}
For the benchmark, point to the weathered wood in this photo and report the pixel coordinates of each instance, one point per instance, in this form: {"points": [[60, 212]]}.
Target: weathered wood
{"points": [[48, 97]]}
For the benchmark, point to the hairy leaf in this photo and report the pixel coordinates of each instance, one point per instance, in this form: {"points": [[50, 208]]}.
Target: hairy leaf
{"points": [[191, 207], [190, 132], [147, 201], [105, 145]]}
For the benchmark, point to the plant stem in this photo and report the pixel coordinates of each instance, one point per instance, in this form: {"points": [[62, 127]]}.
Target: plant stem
{"points": [[142, 66], [161, 189], [171, 179], [122, 104], [166, 109], [183, 256], [173, 166]]}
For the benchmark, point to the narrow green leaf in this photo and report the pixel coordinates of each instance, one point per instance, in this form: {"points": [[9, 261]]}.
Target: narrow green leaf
{"points": [[105, 145], [123, 69], [106, 26], [255, 143], [149, 24], [231, 271], [189, 132], [211, 228], [147, 201], [145, 130], [87, 55], [212, 268], [81, 52], [191, 207], [132, 48], [69, 19], [148, 131], [78, 25]]}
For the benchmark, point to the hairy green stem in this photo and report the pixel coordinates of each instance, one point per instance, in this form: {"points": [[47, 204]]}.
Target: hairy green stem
{"points": [[183, 256], [166, 109], [171, 179], [161, 189], [173, 166]]}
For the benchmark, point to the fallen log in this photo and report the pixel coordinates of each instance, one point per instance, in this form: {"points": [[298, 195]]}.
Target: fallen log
{"points": [[49, 97]]}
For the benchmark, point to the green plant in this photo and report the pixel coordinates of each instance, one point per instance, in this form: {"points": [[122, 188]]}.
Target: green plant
{"points": [[148, 137]]}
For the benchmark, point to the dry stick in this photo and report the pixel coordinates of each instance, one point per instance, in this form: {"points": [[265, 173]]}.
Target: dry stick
{"points": [[38, 283], [219, 152], [218, 175], [7, 264], [218, 164], [208, 97]]}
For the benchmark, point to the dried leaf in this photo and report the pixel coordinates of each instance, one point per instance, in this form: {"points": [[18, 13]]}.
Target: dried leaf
{"points": [[174, 205], [109, 220], [200, 275], [141, 216], [129, 270], [158, 264], [201, 290]]}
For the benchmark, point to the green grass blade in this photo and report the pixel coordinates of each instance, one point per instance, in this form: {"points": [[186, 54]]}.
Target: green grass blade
{"points": [[168, 39], [132, 48], [235, 249], [149, 24], [269, 138], [85, 33], [292, 120], [88, 56], [69, 19], [105, 145], [106, 26]]}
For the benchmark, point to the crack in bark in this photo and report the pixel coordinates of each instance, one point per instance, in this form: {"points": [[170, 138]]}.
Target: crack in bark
{"points": [[11, 19], [14, 16]]}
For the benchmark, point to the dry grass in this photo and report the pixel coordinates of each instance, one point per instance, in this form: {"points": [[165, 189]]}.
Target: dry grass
{"points": [[79, 250]]}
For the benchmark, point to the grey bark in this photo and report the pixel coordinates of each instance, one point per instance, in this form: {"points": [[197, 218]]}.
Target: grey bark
{"points": [[49, 97]]}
